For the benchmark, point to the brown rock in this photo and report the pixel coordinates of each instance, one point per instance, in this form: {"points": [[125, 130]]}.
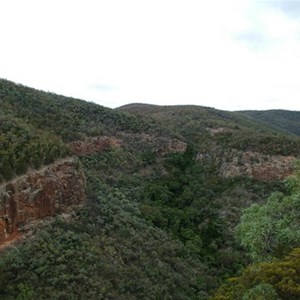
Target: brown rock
{"points": [[36, 195], [214, 131], [256, 165]]}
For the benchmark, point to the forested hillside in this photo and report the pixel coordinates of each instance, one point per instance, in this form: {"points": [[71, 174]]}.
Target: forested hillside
{"points": [[203, 125], [165, 187], [22, 147], [270, 234], [283, 120], [69, 118]]}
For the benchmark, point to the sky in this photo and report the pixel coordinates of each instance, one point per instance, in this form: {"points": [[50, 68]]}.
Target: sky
{"points": [[226, 54]]}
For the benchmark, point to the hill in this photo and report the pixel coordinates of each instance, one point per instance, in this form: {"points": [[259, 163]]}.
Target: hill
{"points": [[164, 190], [68, 118], [281, 120], [228, 129]]}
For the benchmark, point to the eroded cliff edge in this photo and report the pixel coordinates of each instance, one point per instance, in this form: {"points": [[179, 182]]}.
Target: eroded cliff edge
{"points": [[51, 190]]}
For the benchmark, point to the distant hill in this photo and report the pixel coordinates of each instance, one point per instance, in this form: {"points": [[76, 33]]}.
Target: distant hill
{"points": [[282, 120], [239, 131]]}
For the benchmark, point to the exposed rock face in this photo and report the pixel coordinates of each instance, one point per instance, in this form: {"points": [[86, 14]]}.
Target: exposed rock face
{"points": [[214, 131], [256, 165], [36, 195], [94, 145]]}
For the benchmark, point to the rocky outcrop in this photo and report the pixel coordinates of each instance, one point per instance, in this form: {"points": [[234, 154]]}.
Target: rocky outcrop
{"points": [[236, 163], [54, 189], [214, 131], [94, 145], [256, 165]]}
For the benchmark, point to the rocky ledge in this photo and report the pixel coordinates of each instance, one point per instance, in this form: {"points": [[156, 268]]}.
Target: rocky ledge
{"points": [[38, 194], [257, 165]]}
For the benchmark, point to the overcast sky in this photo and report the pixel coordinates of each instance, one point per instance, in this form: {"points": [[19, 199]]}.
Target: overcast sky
{"points": [[226, 54]]}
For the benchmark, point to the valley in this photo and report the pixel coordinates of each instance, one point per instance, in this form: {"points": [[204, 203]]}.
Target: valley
{"points": [[144, 201]]}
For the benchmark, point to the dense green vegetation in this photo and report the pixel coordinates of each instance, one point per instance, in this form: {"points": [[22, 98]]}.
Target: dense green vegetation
{"points": [[156, 225], [193, 123], [107, 252], [278, 279], [69, 118], [282, 120], [34, 124], [269, 232], [23, 147]]}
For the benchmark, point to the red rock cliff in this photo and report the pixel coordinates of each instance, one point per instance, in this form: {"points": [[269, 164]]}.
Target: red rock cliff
{"points": [[39, 194]]}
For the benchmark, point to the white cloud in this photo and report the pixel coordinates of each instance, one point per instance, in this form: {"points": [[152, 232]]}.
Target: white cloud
{"points": [[165, 52]]}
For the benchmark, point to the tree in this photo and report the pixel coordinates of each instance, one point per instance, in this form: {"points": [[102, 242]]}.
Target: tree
{"points": [[262, 291], [278, 279], [271, 230]]}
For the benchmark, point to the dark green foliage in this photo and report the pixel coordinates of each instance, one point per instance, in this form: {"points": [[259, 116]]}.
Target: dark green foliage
{"points": [[193, 124], [184, 204], [107, 252], [278, 279], [190, 202], [281, 120], [263, 142], [23, 147], [69, 118], [269, 232]]}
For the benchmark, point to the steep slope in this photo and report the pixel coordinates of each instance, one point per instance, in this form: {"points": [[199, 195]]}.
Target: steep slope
{"points": [[24, 147], [281, 120], [69, 118], [53, 189], [118, 253], [232, 150]]}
